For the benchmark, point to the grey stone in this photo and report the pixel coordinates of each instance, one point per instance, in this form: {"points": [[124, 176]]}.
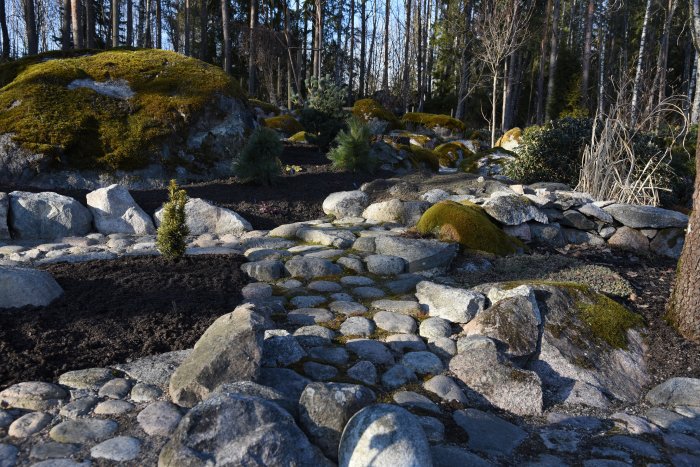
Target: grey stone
{"points": [[511, 209], [454, 305], [547, 234], [307, 301], [433, 328], [679, 441], [159, 418], [311, 268], [434, 196], [309, 316], [32, 396], [52, 450], [47, 215], [354, 264], [263, 434], [257, 290], [348, 308], [4, 210], [669, 242], [371, 350], [384, 436], [203, 217], [8, 455], [401, 343], [685, 460], [325, 408], [319, 371], [395, 322], [267, 270], [675, 392], [384, 211], [573, 218], [413, 400], [578, 237], [560, 440], [6, 417], [385, 265], [83, 431], [629, 239], [488, 433], [434, 429], [397, 376], [406, 283], [451, 456], [142, 392], [28, 424], [591, 210], [62, 463], [633, 424], [368, 293], [155, 369], [405, 307], [281, 351], [329, 237], [422, 363], [345, 203], [113, 407], [314, 336], [23, 286], [119, 449], [266, 254], [646, 217], [443, 347], [636, 446], [78, 407], [671, 421], [229, 350], [512, 322], [364, 372], [115, 211], [287, 230], [481, 367], [419, 254], [116, 388], [364, 244], [446, 388], [335, 355], [356, 281], [324, 286], [357, 326], [287, 382]]}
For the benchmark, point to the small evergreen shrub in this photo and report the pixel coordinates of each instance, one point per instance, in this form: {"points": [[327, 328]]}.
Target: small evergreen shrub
{"points": [[173, 231], [353, 149], [259, 160], [324, 95]]}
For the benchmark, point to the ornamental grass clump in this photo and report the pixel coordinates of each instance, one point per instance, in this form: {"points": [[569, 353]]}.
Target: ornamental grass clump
{"points": [[173, 230], [259, 160], [353, 149]]}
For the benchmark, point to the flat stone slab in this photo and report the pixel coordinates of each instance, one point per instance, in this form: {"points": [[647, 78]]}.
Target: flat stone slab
{"points": [[646, 217], [119, 449], [83, 431], [488, 433]]}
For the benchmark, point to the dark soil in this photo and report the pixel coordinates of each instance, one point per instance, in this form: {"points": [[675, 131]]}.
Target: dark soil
{"points": [[117, 310], [295, 197]]}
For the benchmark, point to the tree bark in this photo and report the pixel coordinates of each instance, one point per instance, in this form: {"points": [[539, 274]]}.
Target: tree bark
{"points": [[31, 27], [385, 70], [318, 34], [203, 21], [370, 55], [406, 58], [363, 48], [226, 29], [89, 24], [684, 308], [76, 17], [553, 54], [695, 109], [65, 24], [6, 33], [159, 26], [494, 106], [539, 108], [587, 53], [115, 23], [663, 57], [149, 26], [640, 63], [351, 73], [130, 23], [253, 21], [187, 28]]}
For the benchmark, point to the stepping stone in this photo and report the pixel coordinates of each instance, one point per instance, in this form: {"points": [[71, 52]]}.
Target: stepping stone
{"points": [[394, 322], [357, 326], [434, 328], [406, 283], [83, 431], [119, 449], [368, 292], [679, 441], [633, 424], [113, 407], [307, 301], [434, 429], [291, 284], [363, 371], [353, 264], [561, 440], [423, 363], [314, 336], [404, 307], [145, 393], [281, 351], [637, 446], [385, 265], [356, 281], [400, 343], [397, 376], [308, 316], [52, 450], [342, 297], [159, 419], [371, 350], [264, 271], [311, 268], [413, 400], [488, 433], [78, 407], [332, 355], [348, 308], [32, 396], [324, 286], [319, 371], [28, 424], [446, 388], [117, 388], [256, 290], [90, 378]]}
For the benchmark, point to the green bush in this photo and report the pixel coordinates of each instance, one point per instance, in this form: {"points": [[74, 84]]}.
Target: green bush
{"points": [[172, 232], [551, 152], [259, 160], [353, 150], [325, 127], [324, 95]]}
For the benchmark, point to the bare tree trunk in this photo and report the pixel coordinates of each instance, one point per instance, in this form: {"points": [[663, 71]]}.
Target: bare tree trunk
{"points": [[539, 108], [187, 28], [31, 27], [76, 16], [587, 46], [385, 70], [406, 58], [319, 38], [6, 33], [684, 307], [149, 26], [226, 29], [372, 42], [363, 48], [695, 109], [640, 63], [159, 26], [351, 77], [253, 22], [419, 57], [494, 106], [65, 24], [130, 23], [510, 86], [115, 23], [663, 57], [203, 21], [89, 24], [553, 54], [602, 63]]}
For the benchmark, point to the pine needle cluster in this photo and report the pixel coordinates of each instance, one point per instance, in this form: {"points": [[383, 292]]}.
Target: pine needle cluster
{"points": [[353, 149], [259, 160], [173, 231]]}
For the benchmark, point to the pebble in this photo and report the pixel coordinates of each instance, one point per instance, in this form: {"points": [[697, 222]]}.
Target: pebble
{"points": [[307, 301], [356, 281], [28, 424], [404, 307], [342, 297], [445, 388], [119, 449], [395, 322], [319, 371], [413, 400], [434, 328], [371, 350], [364, 371], [52, 450], [142, 392], [324, 286], [90, 378], [348, 308], [357, 326], [314, 336], [159, 418], [117, 388], [401, 343], [8, 455], [397, 376], [332, 355], [113, 407], [78, 407], [308, 316], [422, 363], [368, 292], [83, 431]]}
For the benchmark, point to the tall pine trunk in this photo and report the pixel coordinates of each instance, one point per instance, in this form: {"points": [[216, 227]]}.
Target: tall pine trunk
{"points": [[553, 56], [663, 57], [115, 23], [640, 63], [30, 27], [65, 24], [203, 22], [5, 32], [89, 24], [385, 69], [76, 17], [363, 48], [351, 78], [226, 29], [130, 23], [318, 38], [253, 22], [587, 53], [406, 57], [159, 28], [539, 107]]}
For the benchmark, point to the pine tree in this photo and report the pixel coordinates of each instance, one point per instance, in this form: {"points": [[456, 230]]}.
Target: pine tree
{"points": [[173, 230]]}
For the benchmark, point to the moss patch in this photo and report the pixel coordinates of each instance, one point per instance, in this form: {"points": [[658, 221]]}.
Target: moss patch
{"points": [[300, 137], [468, 225], [607, 319], [512, 135], [264, 106], [453, 152], [421, 157], [368, 109], [81, 128], [433, 121], [284, 124]]}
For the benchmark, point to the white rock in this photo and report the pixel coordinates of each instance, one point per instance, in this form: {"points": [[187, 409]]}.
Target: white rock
{"points": [[115, 211], [452, 304], [345, 203], [47, 215], [204, 217], [23, 286], [384, 211]]}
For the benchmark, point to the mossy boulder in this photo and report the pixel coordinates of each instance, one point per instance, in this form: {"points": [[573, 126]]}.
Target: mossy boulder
{"points": [[116, 110], [285, 124], [468, 225], [443, 125], [453, 153], [421, 157], [510, 140], [266, 107], [301, 137], [369, 110]]}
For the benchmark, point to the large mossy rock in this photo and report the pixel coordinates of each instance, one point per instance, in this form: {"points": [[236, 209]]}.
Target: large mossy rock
{"points": [[468, 225], [116, 110], [443, 125], [376, 115]]}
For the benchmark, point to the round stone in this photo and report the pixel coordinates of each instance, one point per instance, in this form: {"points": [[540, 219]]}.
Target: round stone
{"points": [[423, 363], [83, 431], [347, 308], [309, 316], [52, 450], [159, 419], [394, 322], [28, 424], [434, 328], [357, 326], [307, 301], [356, 281], [319, 371], [324, 286], [364, 371], [142, 392], [119, 449], [116, 388], [368, 292], [256, 290], [443, 347], [113, 407]]}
